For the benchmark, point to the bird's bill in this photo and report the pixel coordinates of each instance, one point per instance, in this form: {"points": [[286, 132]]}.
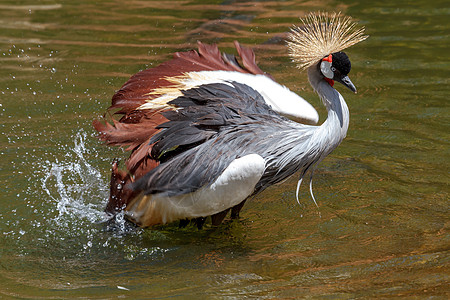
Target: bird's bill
{"points": [[345, 80]]}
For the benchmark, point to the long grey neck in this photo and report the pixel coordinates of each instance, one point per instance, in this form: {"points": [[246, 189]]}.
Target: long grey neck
{"points": [[301, 147], [334, 129]]}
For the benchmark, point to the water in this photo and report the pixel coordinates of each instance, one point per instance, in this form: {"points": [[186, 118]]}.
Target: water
{"points": [[381, 228]]}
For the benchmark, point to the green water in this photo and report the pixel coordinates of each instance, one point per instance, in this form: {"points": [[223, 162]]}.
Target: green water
{"points": [[381, 229]]}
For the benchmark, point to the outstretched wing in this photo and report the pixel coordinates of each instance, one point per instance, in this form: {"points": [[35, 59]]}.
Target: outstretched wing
{"points": [[137, 125]]}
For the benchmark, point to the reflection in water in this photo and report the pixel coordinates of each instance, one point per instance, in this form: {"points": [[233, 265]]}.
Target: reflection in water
{"points": [[382, 196]]}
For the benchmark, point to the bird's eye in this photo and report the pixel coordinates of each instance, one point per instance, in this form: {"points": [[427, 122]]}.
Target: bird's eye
{"points": [[333, 69]]}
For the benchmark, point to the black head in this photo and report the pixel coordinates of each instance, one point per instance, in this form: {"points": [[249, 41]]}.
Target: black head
{"points": [[341, 63], [336, 67]]}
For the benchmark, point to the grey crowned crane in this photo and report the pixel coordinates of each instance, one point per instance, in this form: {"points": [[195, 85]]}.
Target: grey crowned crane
{"points": [[206, 131]]}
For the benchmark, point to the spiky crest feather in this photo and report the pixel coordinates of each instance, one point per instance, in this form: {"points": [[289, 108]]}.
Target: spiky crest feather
{"points": [[322, 34]]}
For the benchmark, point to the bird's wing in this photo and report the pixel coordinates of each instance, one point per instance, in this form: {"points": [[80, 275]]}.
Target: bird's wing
{"points": [[137, 125], [203, 136]]}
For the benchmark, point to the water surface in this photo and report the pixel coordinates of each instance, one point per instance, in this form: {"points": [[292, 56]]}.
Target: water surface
{"points": [[381, 228]]}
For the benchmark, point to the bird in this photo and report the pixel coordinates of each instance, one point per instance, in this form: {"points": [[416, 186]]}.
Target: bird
{"points": [[207, 130]]}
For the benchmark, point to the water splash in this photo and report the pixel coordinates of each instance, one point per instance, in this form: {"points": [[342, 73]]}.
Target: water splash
{"points": [[73, 193], [76, 186]]}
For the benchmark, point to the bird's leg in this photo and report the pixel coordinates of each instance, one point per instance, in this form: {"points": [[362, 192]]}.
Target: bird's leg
{"points": [[236, 209], [199, 222], [217, 219], [183, 223]]}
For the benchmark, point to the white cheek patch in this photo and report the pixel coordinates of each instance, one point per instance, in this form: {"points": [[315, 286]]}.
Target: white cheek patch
{"points": [[325, 68]]}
